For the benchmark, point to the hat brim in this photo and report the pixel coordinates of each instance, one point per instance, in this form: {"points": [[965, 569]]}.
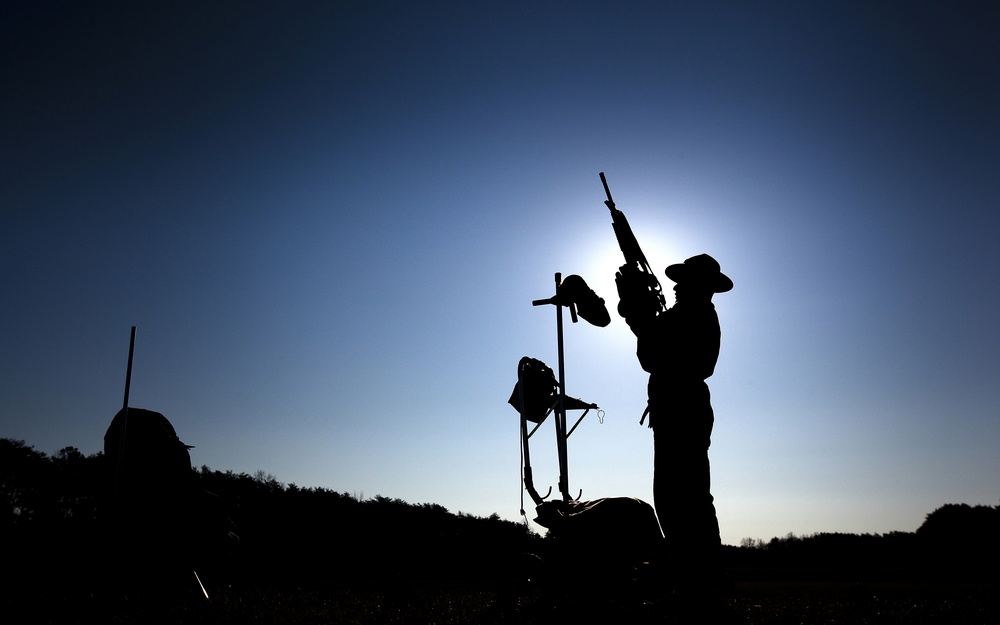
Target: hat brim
{"points": [[717, 281]]}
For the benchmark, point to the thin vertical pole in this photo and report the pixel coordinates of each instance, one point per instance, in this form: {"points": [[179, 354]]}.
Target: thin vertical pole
{"points": [[561, 413], [128, 371], [121, 429]]}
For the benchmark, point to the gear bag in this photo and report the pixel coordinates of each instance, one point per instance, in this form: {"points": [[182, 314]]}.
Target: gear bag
{"points": [[538, 384]]}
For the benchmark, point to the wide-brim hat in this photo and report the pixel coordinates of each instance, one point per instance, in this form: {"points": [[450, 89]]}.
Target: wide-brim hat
{"points": [[701, 269]]}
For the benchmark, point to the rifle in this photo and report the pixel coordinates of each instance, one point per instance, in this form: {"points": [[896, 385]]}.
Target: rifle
{"points": [[630, 248]]}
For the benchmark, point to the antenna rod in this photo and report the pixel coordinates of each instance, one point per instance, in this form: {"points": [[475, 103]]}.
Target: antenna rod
{"points": [[128, 372], [121, 428]]}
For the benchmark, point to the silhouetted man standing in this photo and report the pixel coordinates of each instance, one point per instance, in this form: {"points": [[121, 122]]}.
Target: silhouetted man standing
{"points": [[679, 347]]}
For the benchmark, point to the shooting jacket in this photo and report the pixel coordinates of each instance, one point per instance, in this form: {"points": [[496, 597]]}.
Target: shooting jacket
{"points": [[679, 348]]}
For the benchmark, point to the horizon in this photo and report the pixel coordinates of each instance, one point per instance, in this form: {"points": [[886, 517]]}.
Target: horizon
{"points": [[328, 223], [264, 477]]}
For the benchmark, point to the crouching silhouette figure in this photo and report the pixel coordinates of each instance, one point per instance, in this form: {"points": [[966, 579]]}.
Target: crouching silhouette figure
{"points": [[159, 523]]}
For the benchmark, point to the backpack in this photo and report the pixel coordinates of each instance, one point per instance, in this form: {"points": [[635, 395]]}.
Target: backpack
{"points": [[152, 459], [540, 389]]}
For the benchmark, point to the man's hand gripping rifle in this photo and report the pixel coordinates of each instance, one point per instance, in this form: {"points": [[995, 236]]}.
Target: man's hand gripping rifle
{"points": [[637, 284]]}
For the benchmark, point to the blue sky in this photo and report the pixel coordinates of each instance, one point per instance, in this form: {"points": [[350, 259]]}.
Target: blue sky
{"points": [[328, 222]]}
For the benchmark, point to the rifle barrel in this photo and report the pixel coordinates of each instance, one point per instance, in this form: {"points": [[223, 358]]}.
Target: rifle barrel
{"points": [[607, 189]]}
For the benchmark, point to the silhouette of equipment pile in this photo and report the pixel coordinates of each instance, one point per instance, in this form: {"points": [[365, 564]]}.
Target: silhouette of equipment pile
{"points": [[151, 461], [613, 534], [160, 524]]}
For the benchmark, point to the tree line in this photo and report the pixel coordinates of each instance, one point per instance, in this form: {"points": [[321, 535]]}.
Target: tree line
{"points": [[954, 542], [54, 512], [54, 522]]}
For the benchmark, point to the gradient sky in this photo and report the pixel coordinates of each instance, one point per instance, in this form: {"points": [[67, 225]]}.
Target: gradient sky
{"points": [[328, 222]]}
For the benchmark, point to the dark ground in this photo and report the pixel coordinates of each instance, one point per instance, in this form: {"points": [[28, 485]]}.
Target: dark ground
{"points": [[457, 602]]}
